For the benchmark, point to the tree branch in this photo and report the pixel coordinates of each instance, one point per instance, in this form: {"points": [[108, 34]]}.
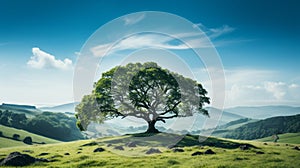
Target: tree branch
{"points": [[172, 109], [168, 117]]}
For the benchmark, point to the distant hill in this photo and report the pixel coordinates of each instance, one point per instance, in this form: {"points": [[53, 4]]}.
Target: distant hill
{"points": [[69, 107], [263, 112], [16, 106], [267, 127], [28, 110]]}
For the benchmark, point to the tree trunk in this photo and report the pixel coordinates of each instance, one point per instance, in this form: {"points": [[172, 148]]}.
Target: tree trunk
{"points": [[151, 127]]}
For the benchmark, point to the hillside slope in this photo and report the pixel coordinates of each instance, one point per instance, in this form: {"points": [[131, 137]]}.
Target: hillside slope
{"points": [[284, 138], [267, 127], [52, 125], [7, 133]]}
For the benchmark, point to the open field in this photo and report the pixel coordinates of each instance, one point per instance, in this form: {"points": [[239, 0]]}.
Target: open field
{"points": [[228, 154]]}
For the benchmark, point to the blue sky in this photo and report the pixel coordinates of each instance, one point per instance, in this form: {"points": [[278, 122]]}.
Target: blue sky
{"points": [[258, 43]]}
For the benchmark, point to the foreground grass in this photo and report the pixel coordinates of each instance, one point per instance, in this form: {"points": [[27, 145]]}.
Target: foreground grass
{"points": [[8, 132], [80, 154]]}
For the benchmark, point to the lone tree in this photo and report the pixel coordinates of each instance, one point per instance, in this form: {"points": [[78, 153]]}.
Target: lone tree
{"points": [[145, 91]]}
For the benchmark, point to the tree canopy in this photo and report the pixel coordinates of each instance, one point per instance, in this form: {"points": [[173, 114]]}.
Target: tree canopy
{"points": [[145, 91]]}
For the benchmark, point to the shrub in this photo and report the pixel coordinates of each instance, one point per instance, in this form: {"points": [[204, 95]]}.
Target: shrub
{"points": [[28, 140], [16, 136]]}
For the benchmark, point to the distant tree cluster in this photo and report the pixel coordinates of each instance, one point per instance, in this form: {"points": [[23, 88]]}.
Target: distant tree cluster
{"points": [[267, 127], [53, 125], [15, 120]]}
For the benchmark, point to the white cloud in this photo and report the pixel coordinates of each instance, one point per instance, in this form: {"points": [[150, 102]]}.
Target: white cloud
{"points": [[262, 93], [293, 86], [41, 59], [254, 87], [130, 20], [278, 89]]}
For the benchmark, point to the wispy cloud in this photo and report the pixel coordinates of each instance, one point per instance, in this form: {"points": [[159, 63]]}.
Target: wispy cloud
{"points": [[130, 20], [135, 42], [214, 32], [41, 59], [138, 41]]}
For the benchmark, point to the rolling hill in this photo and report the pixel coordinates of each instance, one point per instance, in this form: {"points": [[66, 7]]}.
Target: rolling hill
{"points": [[7, 133], [267, 127], [52, 125], [222, 130]]}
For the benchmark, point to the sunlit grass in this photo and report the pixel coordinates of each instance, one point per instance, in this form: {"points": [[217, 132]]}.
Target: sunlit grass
{"points": [[275, 155]]}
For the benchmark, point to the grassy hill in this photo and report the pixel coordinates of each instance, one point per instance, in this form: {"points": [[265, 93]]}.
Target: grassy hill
{"points": [[8, 132], [284, 138], [80, 153]]}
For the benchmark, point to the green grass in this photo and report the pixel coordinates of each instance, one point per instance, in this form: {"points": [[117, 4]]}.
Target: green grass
{"points": [[8, 132], [4, 142], [82, 155], [293, 138]]}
